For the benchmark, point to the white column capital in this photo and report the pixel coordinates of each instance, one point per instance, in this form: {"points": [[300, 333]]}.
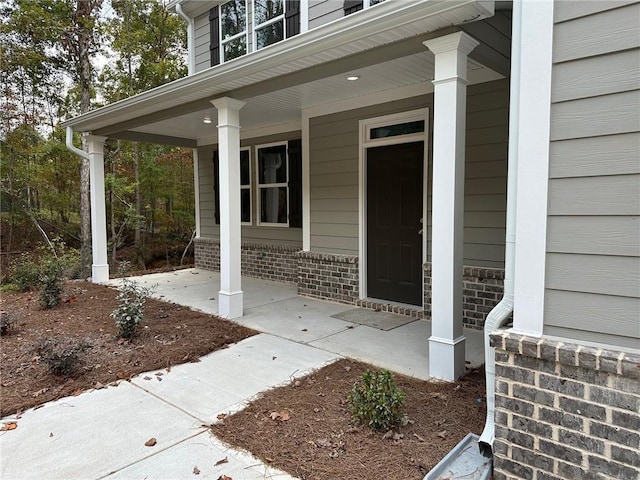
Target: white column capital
{"points": [[228, 111], [96, 139], [459, 41]]}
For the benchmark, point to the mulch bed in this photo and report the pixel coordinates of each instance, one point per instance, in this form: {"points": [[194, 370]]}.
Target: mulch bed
{"points": [[170, 335], [305, 428]]}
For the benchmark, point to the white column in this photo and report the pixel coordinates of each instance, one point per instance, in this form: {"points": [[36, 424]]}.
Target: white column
{"points": [[100, 266], [230, 295], [447, 343]]}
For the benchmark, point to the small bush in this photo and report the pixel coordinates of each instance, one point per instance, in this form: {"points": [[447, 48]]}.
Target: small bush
{"points": [[51, 279], [25, 272], [130, 310], [62, 354], [376, 401]]}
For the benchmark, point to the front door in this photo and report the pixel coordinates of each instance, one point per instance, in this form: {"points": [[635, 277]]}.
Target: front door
{"points": [[394, 210]]}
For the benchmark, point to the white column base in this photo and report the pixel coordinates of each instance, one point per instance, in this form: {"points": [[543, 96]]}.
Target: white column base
{"points": [[230, 304], [446, 358], [99, 273]]}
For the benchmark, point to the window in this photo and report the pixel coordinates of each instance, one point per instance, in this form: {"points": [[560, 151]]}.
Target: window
{"points": [[273, 21], [233, 29], [268, 22], [279, 185], [353, 6], [245, 186], [273, 180]]}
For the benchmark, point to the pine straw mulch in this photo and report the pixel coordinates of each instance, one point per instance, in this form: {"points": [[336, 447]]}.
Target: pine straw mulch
{"points": [[305, 429], [171, 334]]}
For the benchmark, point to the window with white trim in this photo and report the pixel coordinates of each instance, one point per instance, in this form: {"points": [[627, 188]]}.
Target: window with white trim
{"points": [[268, 22], [273, 184], [273, 21], [233, 29]]}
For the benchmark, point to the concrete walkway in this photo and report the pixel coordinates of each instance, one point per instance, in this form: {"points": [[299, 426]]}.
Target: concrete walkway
{"points": [[102, 433]]}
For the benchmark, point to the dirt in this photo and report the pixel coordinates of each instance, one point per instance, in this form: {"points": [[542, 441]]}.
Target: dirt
{"points": [[170, 334], [304, 428]]}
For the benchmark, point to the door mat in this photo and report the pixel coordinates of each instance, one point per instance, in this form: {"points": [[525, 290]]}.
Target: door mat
{"points": [[380, 320]]}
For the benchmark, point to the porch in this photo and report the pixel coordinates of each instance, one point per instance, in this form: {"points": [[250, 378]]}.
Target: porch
{"points": [[397, 343]]}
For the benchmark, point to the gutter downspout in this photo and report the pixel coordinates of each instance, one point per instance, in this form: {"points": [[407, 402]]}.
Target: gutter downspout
{"points": [[72, 148], [191, 48], [501, 312]]}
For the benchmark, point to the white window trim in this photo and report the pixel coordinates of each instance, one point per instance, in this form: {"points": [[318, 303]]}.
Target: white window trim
{"points": [[247, 187], [256, 27], [259, 222], [224, 41], [365, 142]]}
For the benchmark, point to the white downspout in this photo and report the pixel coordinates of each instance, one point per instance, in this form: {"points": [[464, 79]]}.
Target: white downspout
{"points": [[191, 47], [72, 148], [501, 312]]}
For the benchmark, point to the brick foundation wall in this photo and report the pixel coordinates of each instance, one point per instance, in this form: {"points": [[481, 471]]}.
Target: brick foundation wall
{"points": [[270, 262], [565, 410], [482, 290], [328, 276]]}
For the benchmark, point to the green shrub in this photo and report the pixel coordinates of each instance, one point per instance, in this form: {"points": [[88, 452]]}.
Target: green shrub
{"points": [[376, 401], [62, 354], [25, 272], [130, 310]]}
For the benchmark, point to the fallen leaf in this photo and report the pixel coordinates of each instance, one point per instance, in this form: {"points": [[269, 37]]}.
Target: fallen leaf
{"points": [[39, 392], [388, 435], [9, 426], [420, 439], [398, 436], [146, 377], [121, 341], [151, 442], [121, 374], [71, 299], [196, 471], [51, 434], [77, 392], [280, 416], [443, 434], [304, 330], [220, 462], [224, 477], [221, 416]]}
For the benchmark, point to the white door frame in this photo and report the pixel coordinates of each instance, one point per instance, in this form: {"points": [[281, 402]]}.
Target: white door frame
{"points": [[366, 142]]}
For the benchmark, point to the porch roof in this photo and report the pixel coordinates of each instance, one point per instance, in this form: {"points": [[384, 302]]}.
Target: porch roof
{"points": [[383, 45]]}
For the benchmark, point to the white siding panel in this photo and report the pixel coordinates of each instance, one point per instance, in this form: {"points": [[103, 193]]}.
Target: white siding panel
{"points": [[609, 31], [594, 235], [594, 76], [612, 195], [595, 156], [604, 115], [607, 275]]}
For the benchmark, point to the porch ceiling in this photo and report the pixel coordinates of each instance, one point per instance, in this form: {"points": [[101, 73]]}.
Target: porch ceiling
{"points": [[382, 45]]}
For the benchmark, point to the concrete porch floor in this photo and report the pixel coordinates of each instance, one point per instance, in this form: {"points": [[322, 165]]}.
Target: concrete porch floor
{"points": [[275, 308]]}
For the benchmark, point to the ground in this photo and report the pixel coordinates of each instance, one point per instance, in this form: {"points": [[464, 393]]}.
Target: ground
{"points": [[304, 428]]}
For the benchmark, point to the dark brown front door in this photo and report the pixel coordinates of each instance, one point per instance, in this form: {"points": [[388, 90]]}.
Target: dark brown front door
{"points": [[394, 210]]}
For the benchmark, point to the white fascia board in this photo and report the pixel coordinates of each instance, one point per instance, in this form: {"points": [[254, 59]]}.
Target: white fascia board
{"points": [[387, 17]]}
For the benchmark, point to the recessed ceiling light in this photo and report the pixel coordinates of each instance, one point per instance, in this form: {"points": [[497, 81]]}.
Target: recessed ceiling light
{"points": [[353, 78], [207, 119]]}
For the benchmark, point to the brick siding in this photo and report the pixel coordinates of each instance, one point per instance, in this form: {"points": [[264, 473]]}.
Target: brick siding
{"points": [[565, 410], [328, 276], [270, 262], [482, 290], [335, 277]]}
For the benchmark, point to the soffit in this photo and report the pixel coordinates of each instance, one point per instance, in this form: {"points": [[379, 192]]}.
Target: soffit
{"points": [[385, 24]]}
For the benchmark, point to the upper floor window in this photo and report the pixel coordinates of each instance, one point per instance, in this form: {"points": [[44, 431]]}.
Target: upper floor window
{"points": [[273, 21], [268, 22], [352, 6]]}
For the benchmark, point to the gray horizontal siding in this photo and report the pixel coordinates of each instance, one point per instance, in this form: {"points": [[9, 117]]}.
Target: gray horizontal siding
{"points": [[593, 229], [202, 32], [602, 33], [334, 175], [324, 11]]}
